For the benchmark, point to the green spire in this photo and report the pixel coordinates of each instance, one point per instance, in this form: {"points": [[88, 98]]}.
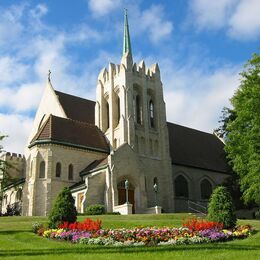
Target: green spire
{"points": [[127, 43]]}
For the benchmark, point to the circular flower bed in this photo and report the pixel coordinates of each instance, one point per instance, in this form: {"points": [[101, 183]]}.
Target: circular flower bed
{"points": [[91, 233]]}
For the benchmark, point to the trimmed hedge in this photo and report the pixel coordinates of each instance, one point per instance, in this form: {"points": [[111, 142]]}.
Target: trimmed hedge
{"points": [[63, 209], [221, 208], [96, 209]]}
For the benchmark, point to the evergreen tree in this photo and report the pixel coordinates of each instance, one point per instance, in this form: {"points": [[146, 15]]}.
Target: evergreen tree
{"points": [[63, 209], [221, 208]]}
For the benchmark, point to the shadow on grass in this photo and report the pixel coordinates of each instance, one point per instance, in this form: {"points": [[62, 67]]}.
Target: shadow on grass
{"points": [[13, 232], [126, 250]]}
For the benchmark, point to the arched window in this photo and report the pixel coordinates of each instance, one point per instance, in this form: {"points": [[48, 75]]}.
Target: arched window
{"points": [[118, 109], [42, 169], [181, 187], [107, 108], [205, 189], [151, 113], [18, 195], [70, 175], [5, 199], [138, 109], [58, 170]]}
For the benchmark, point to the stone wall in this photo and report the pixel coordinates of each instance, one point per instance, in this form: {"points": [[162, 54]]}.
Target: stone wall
{"points": [[40, 193], [193, 176]]}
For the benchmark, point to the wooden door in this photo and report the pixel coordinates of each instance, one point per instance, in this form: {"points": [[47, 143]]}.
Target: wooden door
{"points": [[122, 197]]}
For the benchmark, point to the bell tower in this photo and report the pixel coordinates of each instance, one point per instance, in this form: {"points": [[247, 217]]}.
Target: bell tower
{"points": [[129, 104]]}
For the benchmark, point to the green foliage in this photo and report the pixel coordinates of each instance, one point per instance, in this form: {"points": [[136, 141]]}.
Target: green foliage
{"points": [[63, 209], [221, 209], [36, 226], [95, 209], [241, 126]]}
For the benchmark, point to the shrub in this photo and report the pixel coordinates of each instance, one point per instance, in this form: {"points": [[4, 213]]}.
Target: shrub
{"points": [[95, 209], [12, 210], [113, 213], [63, 209], [221, 208], [36, 226]]}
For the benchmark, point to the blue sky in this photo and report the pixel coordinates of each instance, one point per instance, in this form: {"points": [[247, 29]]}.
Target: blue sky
{"points": [[200, 46]]}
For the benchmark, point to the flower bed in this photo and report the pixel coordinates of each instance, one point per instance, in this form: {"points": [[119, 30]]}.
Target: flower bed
{"points": [[84, 234]]}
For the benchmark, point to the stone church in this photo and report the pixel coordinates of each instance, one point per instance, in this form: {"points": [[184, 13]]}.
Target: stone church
{"points": [[93, 147]]}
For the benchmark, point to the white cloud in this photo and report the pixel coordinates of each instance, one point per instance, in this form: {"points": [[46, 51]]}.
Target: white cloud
{"points": [[10, 28], [245, 22], [17, 128], [39, 11], [103, 7], [211, 14], [240, 18], [199, 104], [25, 98], [151, 20], [12, 70]]}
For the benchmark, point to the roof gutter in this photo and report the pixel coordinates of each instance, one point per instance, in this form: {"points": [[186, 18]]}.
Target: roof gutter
{"points": [[49, 141], [83, 173]]}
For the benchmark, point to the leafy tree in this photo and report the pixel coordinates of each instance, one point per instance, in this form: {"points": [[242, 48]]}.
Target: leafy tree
{"points": [[241, 129], [4, 176], [63, 209], [221, 208]]}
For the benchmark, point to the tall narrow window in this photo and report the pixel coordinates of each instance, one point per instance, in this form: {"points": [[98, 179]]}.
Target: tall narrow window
{"points": [[118, 110], [18, 196], [70, 175], [107, 108], [58, 170], [42, 170], [205, 189], [138, 109], [151, 113], [181, 187]]}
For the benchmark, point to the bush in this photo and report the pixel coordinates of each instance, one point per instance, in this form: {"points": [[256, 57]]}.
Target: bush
{"points": [[12, 210], [221, 208], [36, 226], [95, 209], [63, 209], [113, 213]]}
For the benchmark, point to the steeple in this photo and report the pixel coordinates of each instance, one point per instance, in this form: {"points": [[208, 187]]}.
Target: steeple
{"points": [[127, 43], [127, 59]]}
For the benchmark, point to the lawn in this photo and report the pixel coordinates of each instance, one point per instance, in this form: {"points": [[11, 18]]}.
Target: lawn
{"points": [[18, 242]]}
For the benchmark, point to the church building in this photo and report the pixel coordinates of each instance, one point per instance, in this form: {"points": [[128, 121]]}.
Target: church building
{"points": [[117, 149]]}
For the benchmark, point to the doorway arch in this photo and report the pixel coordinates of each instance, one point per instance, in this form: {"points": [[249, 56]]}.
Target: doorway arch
{"points": [[122, 194]]}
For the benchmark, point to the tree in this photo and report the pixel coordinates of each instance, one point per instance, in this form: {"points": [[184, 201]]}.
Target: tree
{"points": [[4, 176], [63, 209], [221, 208], [241, 130]]}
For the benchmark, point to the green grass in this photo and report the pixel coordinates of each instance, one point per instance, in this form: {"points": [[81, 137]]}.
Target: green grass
{"points": [[18, 242]]}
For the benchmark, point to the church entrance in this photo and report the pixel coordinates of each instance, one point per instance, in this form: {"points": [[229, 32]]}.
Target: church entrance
{"points": [[122, 194]]}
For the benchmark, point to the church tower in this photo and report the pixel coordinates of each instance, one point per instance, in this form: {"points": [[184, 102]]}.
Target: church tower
{"points": [[130, 107], [130, 111]]}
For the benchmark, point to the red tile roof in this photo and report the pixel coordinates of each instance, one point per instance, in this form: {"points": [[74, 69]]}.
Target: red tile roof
{"points": [[71, 133], [77, 108]]}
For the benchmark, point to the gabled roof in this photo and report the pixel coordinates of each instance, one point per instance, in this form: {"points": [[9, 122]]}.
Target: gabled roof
{"points": [[195, 148], [95, 165], [71, 133], [77, 108], [78, 186]]}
